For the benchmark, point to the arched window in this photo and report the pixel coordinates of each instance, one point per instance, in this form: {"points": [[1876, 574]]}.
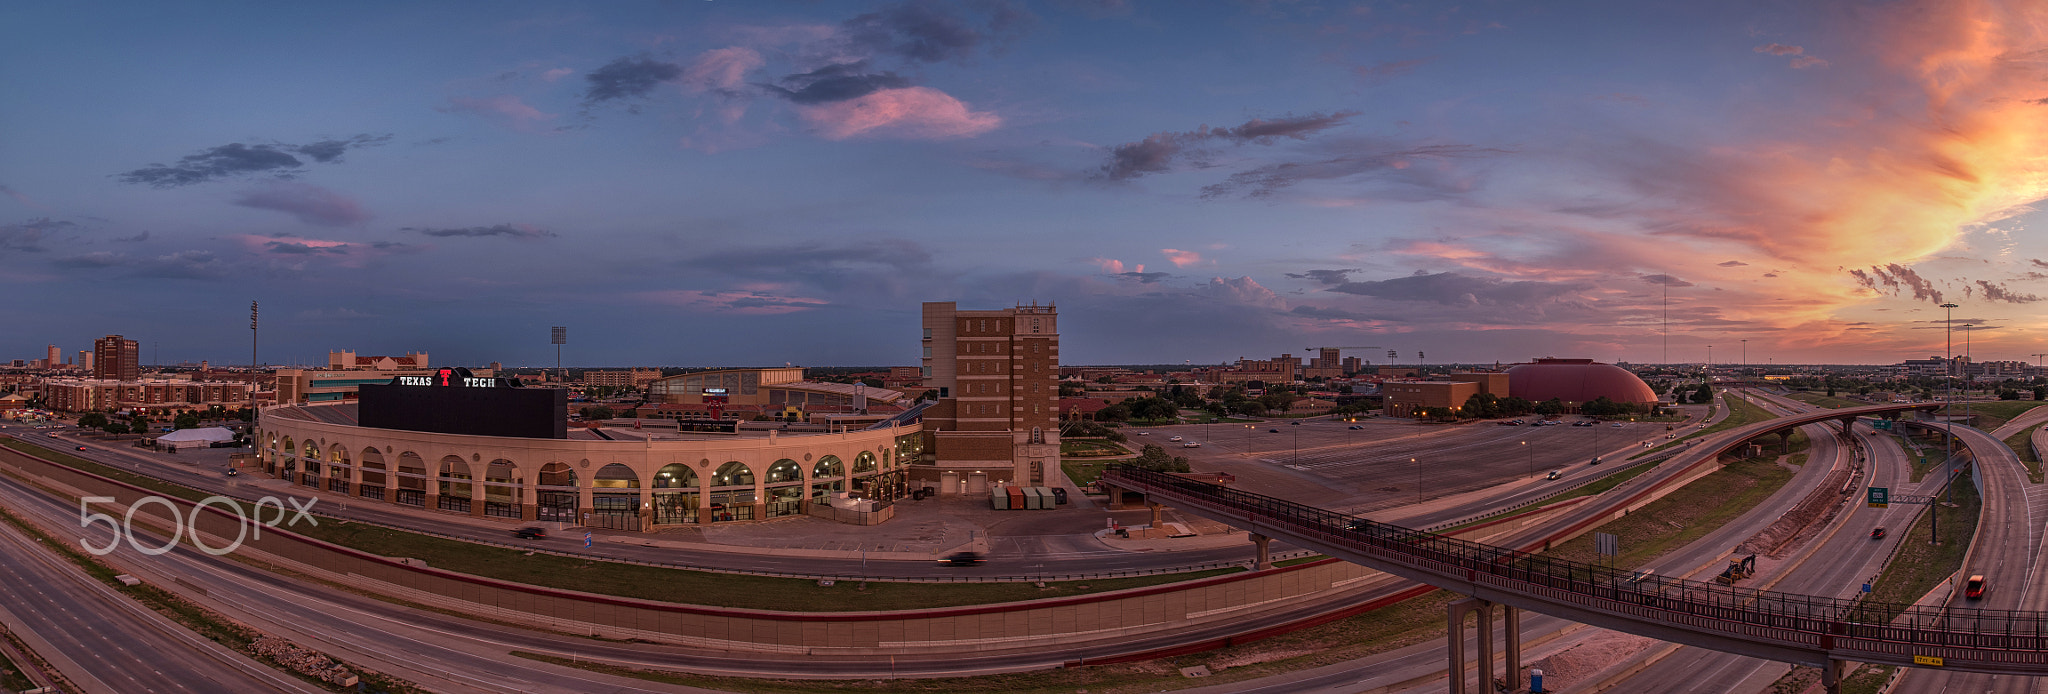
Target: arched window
{"points": [[828, 467], [733, 474], [557, 474], [783, 471], [864, 463], [675, 476], [616, 476]]}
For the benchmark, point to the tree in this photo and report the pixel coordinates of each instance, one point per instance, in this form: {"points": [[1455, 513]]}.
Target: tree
{"points": [[186, 421], [598, 413], [1105, 380], [1549, 407], [2008, 394], [2041, 392], [1070, 389], [1155, 458], [1704, 395], [92, 420], [115, 428]]}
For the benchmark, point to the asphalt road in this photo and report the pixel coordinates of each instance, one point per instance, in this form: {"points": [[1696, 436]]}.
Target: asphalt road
{"points": [[105, 642]]}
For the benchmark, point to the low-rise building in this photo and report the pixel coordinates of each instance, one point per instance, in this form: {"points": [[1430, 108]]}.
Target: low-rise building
{"points": [[87, 394]]}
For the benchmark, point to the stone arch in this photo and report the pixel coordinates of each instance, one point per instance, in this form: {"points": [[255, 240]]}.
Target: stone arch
{"points": [[615, 476], [555, 497], [411, 483], [675, 476], [503, 492], [453, 483], [864, 463], [733, 474], [290, 448], [828, 476], [557, 474], [675, 494], [783, 471], [827, 468], [338, 454]]}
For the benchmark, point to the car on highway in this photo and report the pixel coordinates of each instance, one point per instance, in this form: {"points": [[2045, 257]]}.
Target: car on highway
{"points": [[1358, 524], [1144, 433], [531, 532], [81, 448], [1174, 438], [1877, 533], [232, 472], [1295, 423], [1974, 588], [1191, 444], [1596, 460], [1553, 475], [963, 559], [1272, 431], [1355, 427]]}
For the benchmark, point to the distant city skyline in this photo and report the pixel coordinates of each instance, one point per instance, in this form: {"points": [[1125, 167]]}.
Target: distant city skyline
{"points": [[723, 183]]}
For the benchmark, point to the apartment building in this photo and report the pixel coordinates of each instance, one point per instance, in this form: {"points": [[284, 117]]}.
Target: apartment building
{"points": [[997, 419]]}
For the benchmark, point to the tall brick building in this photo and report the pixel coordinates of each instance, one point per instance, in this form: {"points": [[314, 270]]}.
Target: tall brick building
{"points": [[116, 358], [997, 420]]}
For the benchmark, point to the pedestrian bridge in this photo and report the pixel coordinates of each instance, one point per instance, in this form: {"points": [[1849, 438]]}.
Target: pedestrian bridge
{"points": [[1787, 627]]}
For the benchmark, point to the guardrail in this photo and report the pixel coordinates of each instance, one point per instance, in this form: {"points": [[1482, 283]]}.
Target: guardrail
{"points": [[1969, 639], [1653, 461]]}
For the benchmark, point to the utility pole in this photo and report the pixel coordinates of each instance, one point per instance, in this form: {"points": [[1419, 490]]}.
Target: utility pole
{"points": [[252, 346]]}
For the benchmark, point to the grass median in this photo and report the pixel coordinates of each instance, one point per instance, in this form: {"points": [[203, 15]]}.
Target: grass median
{"points": [[1684, 515], [1827, 401], [662, 584], [11, 677], [1739, 414], [2022, 446], [1992, 414]]}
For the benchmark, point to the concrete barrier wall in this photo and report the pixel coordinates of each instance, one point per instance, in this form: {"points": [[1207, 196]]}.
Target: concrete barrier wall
{"points": [[1030, 625]]}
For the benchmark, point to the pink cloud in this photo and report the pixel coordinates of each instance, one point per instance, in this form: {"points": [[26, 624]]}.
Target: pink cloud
{"points": [[506, 110], [556, 74], [310, 203], [747, 303], [721, 69], [912, 112], [1181, 258], [1807, 61], [1780, 49], [1110, 266]]}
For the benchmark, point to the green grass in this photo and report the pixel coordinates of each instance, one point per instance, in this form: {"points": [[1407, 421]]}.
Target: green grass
{"points": [[2021, 446], [1918, 566], [1083, 472], [1597, 486], [1868, 679], [1298, 560], [1993, 414], [680, 585], [1827, 401], [1685, 515], [1395, 626], [1091, 448]]}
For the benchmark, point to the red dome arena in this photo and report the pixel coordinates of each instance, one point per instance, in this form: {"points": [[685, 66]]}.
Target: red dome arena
{"points": [[1577, 381]]}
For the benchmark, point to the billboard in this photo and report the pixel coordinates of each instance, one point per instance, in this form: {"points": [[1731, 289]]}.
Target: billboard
{"points": [[452, 401]]}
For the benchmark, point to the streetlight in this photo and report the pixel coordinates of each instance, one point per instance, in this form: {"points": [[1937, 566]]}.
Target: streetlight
{"points": [[1745, 370], [1948, 490], [1532, 458]]}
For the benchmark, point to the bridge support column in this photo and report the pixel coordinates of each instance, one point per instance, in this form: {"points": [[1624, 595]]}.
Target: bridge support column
{"points": [[1158, 513], [1484, 612], [1831, 677], [1264, 548], [1116, 497], [1511, 621]]}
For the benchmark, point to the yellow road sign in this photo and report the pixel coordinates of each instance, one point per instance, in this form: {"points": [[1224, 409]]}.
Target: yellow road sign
{"points": [[1934, 660]]}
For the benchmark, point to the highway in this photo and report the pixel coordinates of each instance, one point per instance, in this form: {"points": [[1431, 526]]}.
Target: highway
{"points": [[105, 642]]}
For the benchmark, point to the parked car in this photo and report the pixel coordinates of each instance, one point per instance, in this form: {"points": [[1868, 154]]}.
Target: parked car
{"points": [[1616, 425], [1295, 423], [963, 559], [1974, 588], [1272, 431], [1144, 433], [1354, 426], [531, 532], [1175, 438], [1191, 444], [1877, 533]]}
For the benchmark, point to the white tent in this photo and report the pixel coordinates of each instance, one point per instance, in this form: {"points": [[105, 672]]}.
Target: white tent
{"points": [[195, 438]]}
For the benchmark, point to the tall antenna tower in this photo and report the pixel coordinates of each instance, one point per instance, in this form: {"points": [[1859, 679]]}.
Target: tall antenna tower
{"points": [[252, 343]]}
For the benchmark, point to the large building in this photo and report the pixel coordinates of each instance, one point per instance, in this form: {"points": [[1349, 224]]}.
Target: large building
{"points": [[114, 359], [1577, 381], [154, 395], [345, 373], [621, 379], [997, 377], [1450, 391]]}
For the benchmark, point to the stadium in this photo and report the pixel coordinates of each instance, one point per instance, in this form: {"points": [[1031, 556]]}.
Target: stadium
{"points": [[623, 479]]}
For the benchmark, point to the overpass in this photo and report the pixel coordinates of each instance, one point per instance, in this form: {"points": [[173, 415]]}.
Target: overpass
{"points": [[1787, 627]]}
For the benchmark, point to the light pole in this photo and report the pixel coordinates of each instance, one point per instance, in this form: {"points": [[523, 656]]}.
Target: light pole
{"points": [[1948, 491], [1745, 370], [1532, 458], [1968, 380]]}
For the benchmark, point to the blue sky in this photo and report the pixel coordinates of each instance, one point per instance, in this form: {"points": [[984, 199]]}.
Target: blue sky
{"points": [[702, 183]]}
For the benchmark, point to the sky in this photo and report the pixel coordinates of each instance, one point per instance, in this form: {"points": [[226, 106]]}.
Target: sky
{"points": [[746, 183]]}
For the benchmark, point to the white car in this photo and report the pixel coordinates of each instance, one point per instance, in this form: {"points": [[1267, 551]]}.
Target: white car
{"points": [[1144, 433], [1617, 425], [1176, 438], [1191, 444]]}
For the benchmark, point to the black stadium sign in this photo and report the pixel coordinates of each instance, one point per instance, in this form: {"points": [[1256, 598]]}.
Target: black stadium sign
{"points": [[453, 401]]}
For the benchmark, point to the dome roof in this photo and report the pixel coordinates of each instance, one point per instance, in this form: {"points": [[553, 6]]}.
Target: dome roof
{"points": [[1576, 380]]}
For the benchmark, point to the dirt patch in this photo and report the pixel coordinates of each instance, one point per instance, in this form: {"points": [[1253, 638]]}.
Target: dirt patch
{"points": [[1596, 652]]}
